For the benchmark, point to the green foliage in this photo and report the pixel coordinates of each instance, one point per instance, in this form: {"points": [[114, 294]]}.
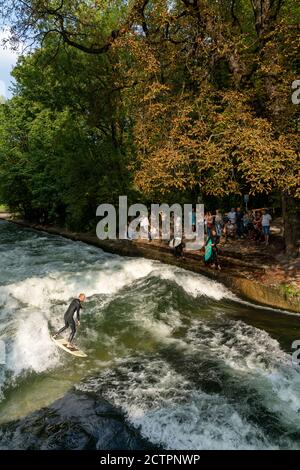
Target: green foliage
{"points": [[60, 151], [290, 291]]}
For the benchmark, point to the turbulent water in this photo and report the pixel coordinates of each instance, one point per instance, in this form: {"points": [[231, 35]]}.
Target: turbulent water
{"points": [[175, 360]]}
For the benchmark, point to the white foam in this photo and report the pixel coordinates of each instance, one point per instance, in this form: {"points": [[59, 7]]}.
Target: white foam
{"points": [[168, 411], [196, 284], [206, 422], [255, 359], [31, 348], [160, 327], [39, 291]]}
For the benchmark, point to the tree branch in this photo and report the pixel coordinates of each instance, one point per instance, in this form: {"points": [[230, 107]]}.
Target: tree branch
{"points": [[236, 21]]}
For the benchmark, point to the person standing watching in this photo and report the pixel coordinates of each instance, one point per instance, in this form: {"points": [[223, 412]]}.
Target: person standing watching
{"points": [[266, 220], [239, 222]]}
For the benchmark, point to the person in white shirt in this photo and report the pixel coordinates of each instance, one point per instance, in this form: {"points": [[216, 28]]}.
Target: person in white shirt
{"points": [[266, 219], [232, 216]]}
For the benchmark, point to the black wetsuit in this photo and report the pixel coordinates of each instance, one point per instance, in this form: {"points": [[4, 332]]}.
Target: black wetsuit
{"points": [[74, 306]]}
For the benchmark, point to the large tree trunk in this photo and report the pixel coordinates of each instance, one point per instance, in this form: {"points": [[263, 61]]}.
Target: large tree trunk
{"points": [[291, 222], [265, 14]]}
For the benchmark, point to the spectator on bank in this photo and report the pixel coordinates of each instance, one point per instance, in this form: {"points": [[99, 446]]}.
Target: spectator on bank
{"points": [[193, 219], [224, 230], [216, 241], [248, 222], [212, 250], [177, 226], [145, 227], [219, 223], [239, 222], [209, 223], [232, 216], [177, 245], [132, 234], [265, 221], [231, 229], [257, 226]]}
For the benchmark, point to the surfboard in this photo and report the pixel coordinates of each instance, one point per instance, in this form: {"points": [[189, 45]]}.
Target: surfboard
{"points": [[62, 343]]}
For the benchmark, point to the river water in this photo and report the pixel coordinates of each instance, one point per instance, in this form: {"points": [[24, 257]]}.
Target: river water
{"points": [[175, 360]]}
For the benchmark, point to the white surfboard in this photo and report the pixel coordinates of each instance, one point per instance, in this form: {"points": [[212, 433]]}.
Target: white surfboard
{"points": [[62, 343]]}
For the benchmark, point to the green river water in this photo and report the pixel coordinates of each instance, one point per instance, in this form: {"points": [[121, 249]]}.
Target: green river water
{"points": [[175, 360]]}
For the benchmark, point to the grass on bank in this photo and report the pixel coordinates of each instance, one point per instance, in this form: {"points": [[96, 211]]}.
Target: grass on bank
{"points": [[290, 291]]}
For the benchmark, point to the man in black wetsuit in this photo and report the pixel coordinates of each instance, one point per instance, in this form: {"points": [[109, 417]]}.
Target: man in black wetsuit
{"points": [[74, 306]]}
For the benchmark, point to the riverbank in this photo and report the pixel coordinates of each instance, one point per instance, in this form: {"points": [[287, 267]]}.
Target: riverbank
{"points": [[256, 276]]}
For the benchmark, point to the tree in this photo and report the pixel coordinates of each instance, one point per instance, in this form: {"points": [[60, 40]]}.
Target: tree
{"points": [[194, 95], [63, 137], [221, 120]]}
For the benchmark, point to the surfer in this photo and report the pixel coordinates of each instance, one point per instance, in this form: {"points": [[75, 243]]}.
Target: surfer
{"points": [[74, 307]]}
